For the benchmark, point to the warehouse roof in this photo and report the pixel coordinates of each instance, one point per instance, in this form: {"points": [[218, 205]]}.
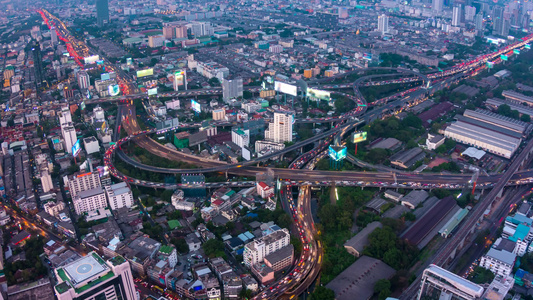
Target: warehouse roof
{"points": [[360, 240], [483, 135]]}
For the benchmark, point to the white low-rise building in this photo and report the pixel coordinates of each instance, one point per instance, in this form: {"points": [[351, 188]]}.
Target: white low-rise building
{"points": [[89, 200], [91, 145], [434, 141], [500, 262]]}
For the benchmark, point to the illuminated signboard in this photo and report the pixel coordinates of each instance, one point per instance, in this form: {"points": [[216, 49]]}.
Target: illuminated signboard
{"points": [[129, 61], [91, 59], [359, 136], [105, 76], [367, 56], [527, 46], [490, 65], [516, 51], [504, 57], [285, 88], [196, 106], [337, 153], [76, 148], [152, 92], [100, 62], [113, 89], [83, 105], [147, 72], [179, 77], [318, 94]]}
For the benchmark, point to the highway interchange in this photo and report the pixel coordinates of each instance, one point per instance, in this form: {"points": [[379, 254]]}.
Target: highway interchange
{"points": [[308, 265]]}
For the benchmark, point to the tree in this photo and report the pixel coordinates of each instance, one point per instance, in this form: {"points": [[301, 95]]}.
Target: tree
{"points": [[322, 293], [167, 195], [525, 118], [153, 62], [181, 245], [245, 294], [214, 248], [481, 275], [382, 289]]}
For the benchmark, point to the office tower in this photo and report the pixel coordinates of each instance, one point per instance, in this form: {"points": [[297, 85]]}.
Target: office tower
{"points": [[201, 29], [437, 5], [102, 12], [280, 130], [255, 252], [90, 277], [456, 17], [83, 182], [53, 36], [478, 22], [90, 200], [470, 13], [83, 80], [497, 20], [69, 136], [119, 195], [438, 283], [231, 89], [240, 137], [383, 24], [38, 64], [64, 116]]}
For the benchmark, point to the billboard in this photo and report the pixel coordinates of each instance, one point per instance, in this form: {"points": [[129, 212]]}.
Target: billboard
{"points": [[76, 148], [91, 59], [100, 62], [129, 61], [196, 106], [490, 64], [516, 51], [337, 153], [113, 89], [147, 72], [179, 77], [105, 76], [318, 94], [83, 106], [367, 56], [152, 92], [527, 46], [359, 136], [285, 88], [504, 57]]}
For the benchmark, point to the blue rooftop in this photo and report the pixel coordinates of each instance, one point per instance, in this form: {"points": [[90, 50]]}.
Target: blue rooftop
{"points": [[518, 219], [521, 232]]}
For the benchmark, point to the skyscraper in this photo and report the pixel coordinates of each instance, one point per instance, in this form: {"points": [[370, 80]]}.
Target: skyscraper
{"points": [[102, 12], [437, 5], [231, 89], [38, 64], [383, 24], [470, 13], [500, 25], [53, 36], [90, 277], [280, 130], [456, 17], [478, 22]]}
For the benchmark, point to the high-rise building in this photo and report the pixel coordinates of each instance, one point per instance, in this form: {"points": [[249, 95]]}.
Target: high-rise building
{"points": [[180, 79], [69, 136], [200, 29], [53, 36], [119, 195], [343, 13], [478, 22], [437, 282], [38, 64], [470, 13], [437, 6], [456, 17], [240, 137], [89, 200], [383, 24], [327, 20], [255, 251], [280, 130], [500, 24], [90, 277], [219, 114], [65, 116], [102, 12], [83, 80], [83, 182], [46, 181], [231, 89], [181, 32], [169, 32]]}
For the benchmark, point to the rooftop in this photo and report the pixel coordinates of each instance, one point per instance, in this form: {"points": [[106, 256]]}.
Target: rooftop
{"points": [[360, 240], [502, 255], [83, 269]]}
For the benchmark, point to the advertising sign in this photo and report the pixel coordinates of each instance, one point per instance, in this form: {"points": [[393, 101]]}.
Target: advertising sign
{"points": [[337, 153], [318, 94], [143, 73], [91, 59], [516, 51], [129, 61], [490, 65], [367, 56], [105, 76], [100, 62], [285, 88], [113, 89], [196, 106], [152, 92], [76, 148], [359, 136], [527, 46], [504, 57], [179, 77]]}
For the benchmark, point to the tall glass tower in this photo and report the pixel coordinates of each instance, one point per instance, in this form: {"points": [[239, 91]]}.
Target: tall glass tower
{"points": [[102, 12], [38, 64]]}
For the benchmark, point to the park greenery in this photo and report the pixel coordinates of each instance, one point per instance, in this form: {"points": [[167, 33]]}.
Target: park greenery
{"points": [[386, 246], [31, 268], [481, 275], [214, 248]]}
